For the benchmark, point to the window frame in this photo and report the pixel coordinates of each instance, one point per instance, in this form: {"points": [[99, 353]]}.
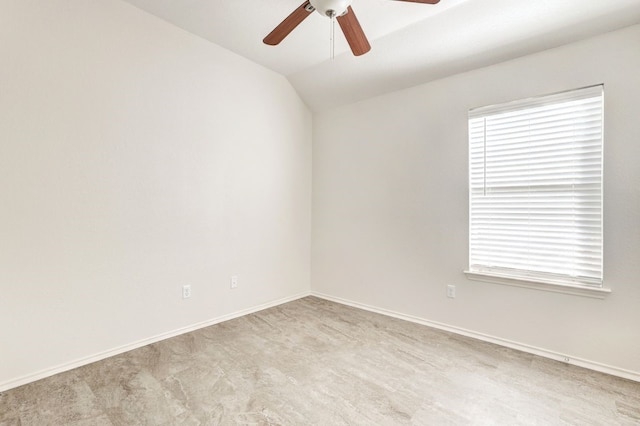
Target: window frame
{"points": [[538, 280]]}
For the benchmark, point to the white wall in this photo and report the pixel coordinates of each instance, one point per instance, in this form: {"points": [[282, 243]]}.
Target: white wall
{"points": [[390, 205], [135, 158]]}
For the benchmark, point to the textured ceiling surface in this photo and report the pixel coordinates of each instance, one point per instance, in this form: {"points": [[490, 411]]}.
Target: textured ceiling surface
{"points": [[411, 43]]}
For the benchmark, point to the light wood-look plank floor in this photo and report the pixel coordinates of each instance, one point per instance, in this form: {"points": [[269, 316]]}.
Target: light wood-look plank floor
{"points": [[314, 362]]}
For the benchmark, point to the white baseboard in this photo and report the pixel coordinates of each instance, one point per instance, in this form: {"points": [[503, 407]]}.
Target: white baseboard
{"points": [[619, 372], [568, 359], [140, 343]]}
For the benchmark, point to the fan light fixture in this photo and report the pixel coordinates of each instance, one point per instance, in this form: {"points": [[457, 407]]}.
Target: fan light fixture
{"points": [[331, 8], [337, 10]]}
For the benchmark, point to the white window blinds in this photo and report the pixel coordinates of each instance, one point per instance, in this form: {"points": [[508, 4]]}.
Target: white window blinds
{"points": [[535, 171]]}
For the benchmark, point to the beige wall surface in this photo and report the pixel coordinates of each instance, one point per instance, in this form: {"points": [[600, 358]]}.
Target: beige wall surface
{"points": [[136, 158], [390, 205]]}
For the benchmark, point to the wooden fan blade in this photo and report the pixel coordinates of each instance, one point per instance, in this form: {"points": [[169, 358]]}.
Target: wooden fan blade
{"points": [[289, 24], [353, 33], [422, 1]]}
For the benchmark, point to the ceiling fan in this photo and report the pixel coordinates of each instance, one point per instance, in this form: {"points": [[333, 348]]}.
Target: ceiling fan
{"points": [[339, 9]]}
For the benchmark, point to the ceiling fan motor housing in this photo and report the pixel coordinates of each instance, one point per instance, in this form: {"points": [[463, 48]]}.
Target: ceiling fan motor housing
{"points": [[331, 8]]}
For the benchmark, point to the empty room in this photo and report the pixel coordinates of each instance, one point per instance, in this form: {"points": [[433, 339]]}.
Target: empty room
{"points": [[335, 212]]}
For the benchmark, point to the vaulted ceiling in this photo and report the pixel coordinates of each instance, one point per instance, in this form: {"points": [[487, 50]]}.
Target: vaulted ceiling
{"points": [[411, 43]]}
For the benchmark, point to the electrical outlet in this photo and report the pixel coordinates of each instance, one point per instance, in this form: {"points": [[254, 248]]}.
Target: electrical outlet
{"points": [[451, 291], [186, 291], [234, 281]]}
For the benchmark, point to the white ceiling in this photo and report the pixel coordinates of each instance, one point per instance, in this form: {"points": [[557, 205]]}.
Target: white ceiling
{"points": [[411, 43]]}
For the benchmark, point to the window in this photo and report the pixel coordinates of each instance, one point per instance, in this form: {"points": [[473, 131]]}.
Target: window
{"points": [[535, 176]]}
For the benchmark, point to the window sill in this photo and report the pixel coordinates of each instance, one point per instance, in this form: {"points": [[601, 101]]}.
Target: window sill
{"points": [[574, 289]]}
